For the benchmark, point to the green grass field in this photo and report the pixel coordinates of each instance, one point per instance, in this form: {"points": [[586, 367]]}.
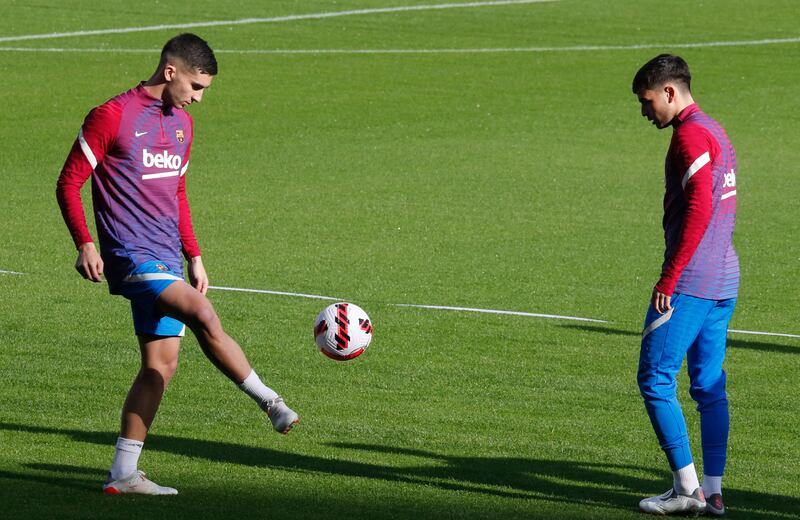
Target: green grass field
{"points": [[512, 180]]}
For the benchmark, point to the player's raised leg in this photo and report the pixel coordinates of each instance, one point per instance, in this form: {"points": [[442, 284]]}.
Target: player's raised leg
{"points": [[185, 303], [159, 360]]}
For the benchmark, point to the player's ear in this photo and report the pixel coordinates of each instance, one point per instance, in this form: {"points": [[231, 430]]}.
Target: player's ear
{"points": [[169, 72], [669, 91]]}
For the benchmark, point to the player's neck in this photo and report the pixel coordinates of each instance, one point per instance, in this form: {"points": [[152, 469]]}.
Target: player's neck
{"points": [[155, 87], [682, 101]]}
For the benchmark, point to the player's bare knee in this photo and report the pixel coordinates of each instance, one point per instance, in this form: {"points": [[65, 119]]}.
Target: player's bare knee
{"points": [[168, 369], [155, 377], [205, 321], [162, 367]]}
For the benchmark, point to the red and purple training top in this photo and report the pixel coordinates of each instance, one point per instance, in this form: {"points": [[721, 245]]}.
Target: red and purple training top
{"points": [[699, 210], [137, 154]]}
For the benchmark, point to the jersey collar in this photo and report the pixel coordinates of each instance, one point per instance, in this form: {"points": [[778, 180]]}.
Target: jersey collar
{"points": [[142, 92], [684, 114]]}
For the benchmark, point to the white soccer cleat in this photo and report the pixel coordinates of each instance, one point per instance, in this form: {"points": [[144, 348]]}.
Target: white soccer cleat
{"points": [[282, 417], [136, 483], [673, 502]]}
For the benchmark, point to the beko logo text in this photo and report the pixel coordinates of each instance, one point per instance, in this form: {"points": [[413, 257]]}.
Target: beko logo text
{"points": [[161, 160]]}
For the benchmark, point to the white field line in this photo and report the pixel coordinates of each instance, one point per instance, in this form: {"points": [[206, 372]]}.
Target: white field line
{"points": [[279, 293], [437, 307], [274, 19], [447, 308], [764, 333], [495, 311], [486, 50], [470, 309]]}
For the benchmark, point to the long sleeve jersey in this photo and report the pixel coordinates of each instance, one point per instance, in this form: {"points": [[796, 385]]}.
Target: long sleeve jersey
{"points": [[137, 154], [699, 210]]}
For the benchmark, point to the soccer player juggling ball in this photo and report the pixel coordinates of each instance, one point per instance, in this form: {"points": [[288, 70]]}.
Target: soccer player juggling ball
{"points": [[136, 149], [694, 298]]}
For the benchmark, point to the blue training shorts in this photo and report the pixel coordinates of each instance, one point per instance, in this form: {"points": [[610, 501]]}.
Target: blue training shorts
{"points": [[142, 287]]}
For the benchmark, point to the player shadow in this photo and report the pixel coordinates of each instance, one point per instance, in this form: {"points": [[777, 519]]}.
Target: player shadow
{"points": [[595, 484], [763, 346], [603, 485], [59, 480], [68, 469]]}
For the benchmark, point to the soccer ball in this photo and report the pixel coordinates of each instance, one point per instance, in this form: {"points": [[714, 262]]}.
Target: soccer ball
{"points": [[342, 331]]}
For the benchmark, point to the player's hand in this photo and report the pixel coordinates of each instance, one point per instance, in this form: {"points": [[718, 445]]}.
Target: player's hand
{"points": [[661, 302], [89, 263], [197, 275]]}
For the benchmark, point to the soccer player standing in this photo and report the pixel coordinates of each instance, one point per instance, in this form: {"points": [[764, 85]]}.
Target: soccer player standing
{"points": [[136, 149], [693, 301]]}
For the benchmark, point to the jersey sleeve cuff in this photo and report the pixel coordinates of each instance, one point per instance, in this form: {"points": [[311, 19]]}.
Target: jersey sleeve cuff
{"points": [[666, 286], [188, 254]]}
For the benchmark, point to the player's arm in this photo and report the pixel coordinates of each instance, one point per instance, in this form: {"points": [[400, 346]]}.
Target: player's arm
{"points": [[197, 272], [191, 250], [95, 138], [695, 154]]}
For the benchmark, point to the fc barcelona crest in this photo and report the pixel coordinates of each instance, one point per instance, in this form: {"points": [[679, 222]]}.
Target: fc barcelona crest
{"points": [[179, 135]]}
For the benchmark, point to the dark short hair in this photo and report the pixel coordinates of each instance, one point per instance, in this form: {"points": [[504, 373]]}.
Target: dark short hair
{"points": [[662, 69], [193, 51]]}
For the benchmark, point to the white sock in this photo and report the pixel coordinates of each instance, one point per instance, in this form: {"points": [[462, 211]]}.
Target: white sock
{"points": [[712, 485], [253, 387], [126, 458], [685, 480]]}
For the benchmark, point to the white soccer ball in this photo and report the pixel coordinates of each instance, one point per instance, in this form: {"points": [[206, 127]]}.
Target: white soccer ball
{"points": [[342, 331]]}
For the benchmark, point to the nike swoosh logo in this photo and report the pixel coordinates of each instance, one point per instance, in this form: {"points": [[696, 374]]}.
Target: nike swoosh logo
{"points": [[139, 134]]}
